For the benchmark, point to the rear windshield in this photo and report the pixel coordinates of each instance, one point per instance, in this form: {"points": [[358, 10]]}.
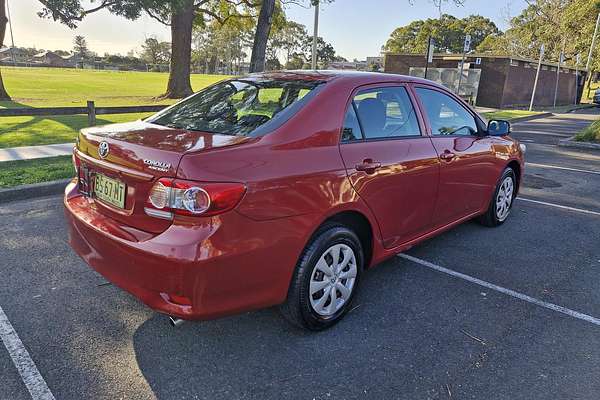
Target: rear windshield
{"points": [[239, 107]]}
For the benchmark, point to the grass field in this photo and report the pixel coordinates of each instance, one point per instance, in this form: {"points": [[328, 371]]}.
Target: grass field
{"points": [[56, 87], [14, 173], [508, 114], [62, 87]]}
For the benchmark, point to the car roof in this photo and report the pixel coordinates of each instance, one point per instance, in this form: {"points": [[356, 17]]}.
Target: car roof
{"points": [[358, 77]]}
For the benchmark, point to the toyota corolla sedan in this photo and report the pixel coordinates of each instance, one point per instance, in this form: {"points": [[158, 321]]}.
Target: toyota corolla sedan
{"points": [[283, 189]]}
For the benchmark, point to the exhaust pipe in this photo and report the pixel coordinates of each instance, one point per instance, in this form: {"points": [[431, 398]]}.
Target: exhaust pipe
{"points": [[175, 322]]}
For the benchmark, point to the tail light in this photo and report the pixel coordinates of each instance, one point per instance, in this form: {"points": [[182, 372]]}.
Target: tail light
{"points": [[175, 196], [76, 162]]}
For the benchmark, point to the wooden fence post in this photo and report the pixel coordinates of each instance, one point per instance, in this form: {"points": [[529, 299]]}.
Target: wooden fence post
{"points": [[91, 113]]}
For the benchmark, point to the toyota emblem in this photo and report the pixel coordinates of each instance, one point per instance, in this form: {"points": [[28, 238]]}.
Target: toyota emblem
{"points": [[103, 149]]}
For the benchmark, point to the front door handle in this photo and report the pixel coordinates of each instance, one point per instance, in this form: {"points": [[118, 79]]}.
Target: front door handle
{"points": [[447, 155], [368, 165]]}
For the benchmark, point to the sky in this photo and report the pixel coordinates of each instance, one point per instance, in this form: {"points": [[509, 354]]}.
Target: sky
{"points": [[356, 28]]}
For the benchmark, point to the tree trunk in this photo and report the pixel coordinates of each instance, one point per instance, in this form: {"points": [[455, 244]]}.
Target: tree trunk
{"points": [[263, 28], [3, 20], [182, 20]]}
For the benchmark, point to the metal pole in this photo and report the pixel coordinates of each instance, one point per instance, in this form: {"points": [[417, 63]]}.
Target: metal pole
{"points": [[315, 36], [589, 60], [557, 79], [576, 78], [537, 77], [460, 74], [12, 38], [427, 56], [560, 59]]}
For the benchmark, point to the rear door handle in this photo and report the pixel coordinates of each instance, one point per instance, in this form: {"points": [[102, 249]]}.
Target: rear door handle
{"points": [[447, 155], [369, 166]]}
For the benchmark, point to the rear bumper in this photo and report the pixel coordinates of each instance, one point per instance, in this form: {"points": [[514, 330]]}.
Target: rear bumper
{"points": [[224, 265]]}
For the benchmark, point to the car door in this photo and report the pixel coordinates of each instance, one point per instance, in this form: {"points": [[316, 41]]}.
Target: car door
{"points": [[390, 163], [467, 170]]}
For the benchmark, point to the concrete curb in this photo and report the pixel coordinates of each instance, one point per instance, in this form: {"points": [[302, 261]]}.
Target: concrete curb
{"points": [[34, 190], [530, 117], [570, 142]]}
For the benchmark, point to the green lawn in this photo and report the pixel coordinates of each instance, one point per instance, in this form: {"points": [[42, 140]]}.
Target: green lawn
{"points": [[63, 87], [590, 134], [57, 87], [508, 114], [30, 131], [14, 173]]}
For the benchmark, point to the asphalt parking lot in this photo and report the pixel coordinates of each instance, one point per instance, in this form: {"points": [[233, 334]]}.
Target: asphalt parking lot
{"points": [[476, 313]]}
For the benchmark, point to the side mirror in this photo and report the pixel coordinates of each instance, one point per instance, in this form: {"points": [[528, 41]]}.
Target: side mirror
{"points": [[499, 128]]}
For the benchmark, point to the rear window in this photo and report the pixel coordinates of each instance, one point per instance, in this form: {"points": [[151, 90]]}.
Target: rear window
{"points": [[239, 107]]}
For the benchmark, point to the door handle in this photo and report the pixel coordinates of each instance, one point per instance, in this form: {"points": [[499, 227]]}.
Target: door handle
{"points": [[369, 166], [447, 155]]}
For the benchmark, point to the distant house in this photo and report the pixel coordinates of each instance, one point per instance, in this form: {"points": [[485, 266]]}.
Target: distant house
{"points": [[49, 58], [73, 60], [348, 65], [7, 54]]}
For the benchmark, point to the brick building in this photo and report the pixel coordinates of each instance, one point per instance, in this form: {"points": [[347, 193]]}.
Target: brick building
{"points": [[504, 81]]}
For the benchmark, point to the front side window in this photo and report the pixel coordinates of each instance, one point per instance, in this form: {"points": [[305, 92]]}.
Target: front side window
{"points": [[446, 115], [382, 113], [239, 107]]}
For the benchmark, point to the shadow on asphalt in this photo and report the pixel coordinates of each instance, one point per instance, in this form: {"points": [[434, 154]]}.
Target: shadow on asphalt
{"points": [[259, 355]]}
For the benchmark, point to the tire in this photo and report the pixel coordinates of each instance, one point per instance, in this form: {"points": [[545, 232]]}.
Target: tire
{"points": [[317, 311], [500, 205]]}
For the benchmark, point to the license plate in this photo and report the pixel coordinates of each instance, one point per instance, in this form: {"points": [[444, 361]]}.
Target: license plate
{"points": [[110, 190]]}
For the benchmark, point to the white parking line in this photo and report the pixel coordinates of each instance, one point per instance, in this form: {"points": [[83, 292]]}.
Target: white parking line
{"points": [[580, 210], [509, 292], [33, 380], [562, 168]]}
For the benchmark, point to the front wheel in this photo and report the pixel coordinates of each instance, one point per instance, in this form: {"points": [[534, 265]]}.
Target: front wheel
{"points": [[502, 202], [325, 279]]}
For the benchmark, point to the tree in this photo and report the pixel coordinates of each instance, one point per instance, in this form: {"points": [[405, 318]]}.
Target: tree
{"points": [[80, 47], [155, 52], [557, 24], [447, 31], [180, 15], [494, 44], [3, 21], [220, 47], [263, 28], [288, 39], [325, 51]]}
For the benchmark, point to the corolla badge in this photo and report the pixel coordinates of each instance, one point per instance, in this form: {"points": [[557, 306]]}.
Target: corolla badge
{"points": [[103, 149], [157, 165]]}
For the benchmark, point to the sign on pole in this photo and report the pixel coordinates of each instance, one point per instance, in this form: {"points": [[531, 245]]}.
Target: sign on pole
{"points": [[430, 50], [537, 76], [466, 49]]}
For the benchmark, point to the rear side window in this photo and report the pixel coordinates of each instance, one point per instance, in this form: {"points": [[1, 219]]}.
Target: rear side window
{"points": [[446, 115], [385, 113], [352, 129]]}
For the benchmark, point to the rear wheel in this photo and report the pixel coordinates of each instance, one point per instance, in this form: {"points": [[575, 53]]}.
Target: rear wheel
{"points": [[502, 202], [325, 279]]}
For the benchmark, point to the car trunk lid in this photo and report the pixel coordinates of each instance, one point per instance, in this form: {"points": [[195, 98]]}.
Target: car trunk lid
{"points": [[130, 158]]}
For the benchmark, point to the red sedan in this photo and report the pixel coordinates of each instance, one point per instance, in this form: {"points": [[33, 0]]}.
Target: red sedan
{"points": [[282, 189]]}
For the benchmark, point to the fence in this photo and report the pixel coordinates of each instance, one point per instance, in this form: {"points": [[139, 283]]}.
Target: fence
{"points": [[91, 111]]}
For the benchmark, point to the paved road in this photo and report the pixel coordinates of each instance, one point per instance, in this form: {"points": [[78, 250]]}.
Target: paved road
{"points": [[417, 333]]}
